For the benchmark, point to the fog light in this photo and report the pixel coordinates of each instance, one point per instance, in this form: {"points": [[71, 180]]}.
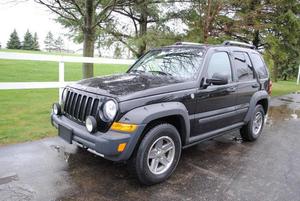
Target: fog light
{"points": [[56, 109], [91, 124]]}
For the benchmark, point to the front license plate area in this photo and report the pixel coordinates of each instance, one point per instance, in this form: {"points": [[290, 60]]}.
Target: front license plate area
{"points": [[65, 133]]}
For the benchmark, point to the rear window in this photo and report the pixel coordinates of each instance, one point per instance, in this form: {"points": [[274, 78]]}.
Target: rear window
{"points": [[259, 66]]}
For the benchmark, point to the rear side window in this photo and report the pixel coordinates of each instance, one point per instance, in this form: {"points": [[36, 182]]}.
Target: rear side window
{"points": [[243, 66], [219, 64], [259, 66]]}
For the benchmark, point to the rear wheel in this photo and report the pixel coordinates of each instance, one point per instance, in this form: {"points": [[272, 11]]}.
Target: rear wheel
{"points": [[157, 155], [252, 130]]}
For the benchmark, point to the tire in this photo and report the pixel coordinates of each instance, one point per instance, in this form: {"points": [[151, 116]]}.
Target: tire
{"points": [[149, 155], [248, 131]]}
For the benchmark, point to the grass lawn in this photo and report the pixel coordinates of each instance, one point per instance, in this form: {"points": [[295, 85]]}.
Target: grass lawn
{"points": [[24, 114], [34, 71], [284, 87]]}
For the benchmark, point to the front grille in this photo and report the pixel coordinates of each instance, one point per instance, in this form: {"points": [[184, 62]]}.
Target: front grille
{"points": [[79, 105]]}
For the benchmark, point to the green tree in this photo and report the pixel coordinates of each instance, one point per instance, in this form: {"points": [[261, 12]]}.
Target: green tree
{"points": [[207, 20], [82, 17], [28, 41], [249, 22], [36, 45], [282, 41], [272, 26], [117, 52], [49, 41], [59, 44], [14, 41], [283, 44], [145, 27]]}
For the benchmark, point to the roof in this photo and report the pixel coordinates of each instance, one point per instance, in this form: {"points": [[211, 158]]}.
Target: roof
{"points": [[234, 45]]}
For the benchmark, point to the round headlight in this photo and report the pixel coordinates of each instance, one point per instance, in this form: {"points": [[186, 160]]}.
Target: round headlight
{"points": [[56, 109], [91, 124], [110, 110], [64, 95], [63, 98]]}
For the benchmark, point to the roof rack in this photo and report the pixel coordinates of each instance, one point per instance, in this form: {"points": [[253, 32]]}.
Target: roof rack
{"points": [[187, 43], [236, 43]]}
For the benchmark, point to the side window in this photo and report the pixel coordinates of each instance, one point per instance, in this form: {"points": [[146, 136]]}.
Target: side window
{"points": [[219, 64], [243, 66], [248, 61], [259, 66]]}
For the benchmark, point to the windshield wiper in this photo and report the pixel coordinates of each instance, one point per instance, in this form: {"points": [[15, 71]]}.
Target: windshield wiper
{"points": [[159, 72], [136, 71]]}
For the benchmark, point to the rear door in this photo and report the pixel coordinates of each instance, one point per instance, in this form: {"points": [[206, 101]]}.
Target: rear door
{"points": [[261, 70], [247, 83]]}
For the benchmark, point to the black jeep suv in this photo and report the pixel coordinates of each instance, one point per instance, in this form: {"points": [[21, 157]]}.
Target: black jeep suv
{"points": [[171, 98]]}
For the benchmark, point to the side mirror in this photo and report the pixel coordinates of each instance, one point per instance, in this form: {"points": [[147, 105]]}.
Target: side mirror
{"points": [[218, 79]]}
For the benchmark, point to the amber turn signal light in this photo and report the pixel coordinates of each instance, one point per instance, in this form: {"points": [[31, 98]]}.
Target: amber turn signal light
{"points": [[123, 127], [121, 147]]}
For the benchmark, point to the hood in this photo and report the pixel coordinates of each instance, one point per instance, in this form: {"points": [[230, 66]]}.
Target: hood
{"points": [[127, 83]]}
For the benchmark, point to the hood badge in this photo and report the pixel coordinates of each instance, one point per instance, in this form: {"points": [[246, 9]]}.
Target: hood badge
{"points": [[192, 96]]}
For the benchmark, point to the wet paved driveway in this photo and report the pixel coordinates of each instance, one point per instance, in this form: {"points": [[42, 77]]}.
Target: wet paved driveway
{"points": [[221, 169]]}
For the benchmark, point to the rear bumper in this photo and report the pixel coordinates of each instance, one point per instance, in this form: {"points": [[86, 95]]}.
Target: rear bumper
{"points": [[102, 144]]}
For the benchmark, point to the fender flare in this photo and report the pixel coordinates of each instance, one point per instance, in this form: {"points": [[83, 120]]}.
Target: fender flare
{"points": [[145, 114], [255, 98]]}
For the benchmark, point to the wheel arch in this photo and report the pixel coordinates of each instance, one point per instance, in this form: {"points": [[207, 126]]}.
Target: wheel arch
{"points": [[174, 113], [265, 104], [260, 97], [176, 120]]}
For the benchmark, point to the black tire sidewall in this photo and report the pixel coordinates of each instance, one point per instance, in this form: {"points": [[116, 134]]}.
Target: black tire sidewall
{"points": [[258, 108], [143, 172]]}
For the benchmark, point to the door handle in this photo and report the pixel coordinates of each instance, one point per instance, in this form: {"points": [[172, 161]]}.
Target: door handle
{"points": [[256, 85], [231, 89]]}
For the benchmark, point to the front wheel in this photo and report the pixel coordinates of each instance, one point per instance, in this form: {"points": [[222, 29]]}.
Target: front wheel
{"points": [[252, 130], [157, 155]]}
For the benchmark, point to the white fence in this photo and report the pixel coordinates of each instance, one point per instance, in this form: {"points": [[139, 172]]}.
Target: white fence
{"points": [[61, 61]]}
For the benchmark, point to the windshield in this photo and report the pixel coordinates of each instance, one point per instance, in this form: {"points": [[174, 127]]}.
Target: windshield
{"points": [[180, 63]]}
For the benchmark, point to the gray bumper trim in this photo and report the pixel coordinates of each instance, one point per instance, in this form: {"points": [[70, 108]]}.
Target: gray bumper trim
{"points": [[102, 144]]}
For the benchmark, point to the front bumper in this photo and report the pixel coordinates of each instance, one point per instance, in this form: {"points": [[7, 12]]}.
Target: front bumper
{"points": [[102, 144]]}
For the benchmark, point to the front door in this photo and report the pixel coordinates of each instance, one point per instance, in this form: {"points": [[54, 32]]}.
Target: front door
{"points": [[215, 104]]}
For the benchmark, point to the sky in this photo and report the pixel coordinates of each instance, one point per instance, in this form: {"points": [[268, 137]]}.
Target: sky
{"points": [[24, 15], [33, 16]]}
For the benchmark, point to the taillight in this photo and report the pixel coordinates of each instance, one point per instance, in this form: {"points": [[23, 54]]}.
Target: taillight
{"points": [[270, 87]]}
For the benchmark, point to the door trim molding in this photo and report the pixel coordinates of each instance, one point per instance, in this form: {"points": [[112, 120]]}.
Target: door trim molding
{"points": [[222, 111], [212, 134]]}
